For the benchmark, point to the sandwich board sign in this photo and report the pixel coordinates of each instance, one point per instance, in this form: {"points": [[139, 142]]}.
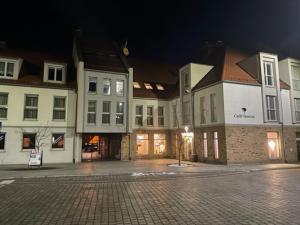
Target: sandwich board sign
{"points": [[35, 158]]}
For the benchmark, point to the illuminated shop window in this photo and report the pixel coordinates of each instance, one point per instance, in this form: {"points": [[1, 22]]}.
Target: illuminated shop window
{"points": [[216, 145], [273, 145], [58, 141], [205, 145], [142, 144], [159, 144], [29, 140]]}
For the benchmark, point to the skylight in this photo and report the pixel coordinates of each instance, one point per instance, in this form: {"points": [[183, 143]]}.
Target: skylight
{"points": [[136, 85], [160, 87], [148, 86]]}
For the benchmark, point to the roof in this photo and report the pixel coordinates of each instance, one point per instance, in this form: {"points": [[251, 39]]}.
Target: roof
{"points": [[102, 55], [155, 73], [32, 69], [226, 68], [284, 85]]}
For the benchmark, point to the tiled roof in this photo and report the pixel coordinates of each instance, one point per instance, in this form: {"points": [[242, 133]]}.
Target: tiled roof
{"points": [[284, 85], [155, 73], [32, 69]]}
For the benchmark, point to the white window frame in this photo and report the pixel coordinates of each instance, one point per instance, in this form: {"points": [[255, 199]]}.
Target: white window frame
{"points": [[269, 110], [213, 108], [4, 106], [150, 116], [216, 145], [120, 113], [91, 112], [55, 67], [109, 80], [123, 87], [31, 107], [58, 108], [6, 62], [106, 113], [92, 80], [161, 118], [297, 110], [139, 115], [296, 82], [271, 64]]}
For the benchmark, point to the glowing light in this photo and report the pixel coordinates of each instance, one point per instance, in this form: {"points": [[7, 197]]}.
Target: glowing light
{"points": [[186, 128], [272, 145]]}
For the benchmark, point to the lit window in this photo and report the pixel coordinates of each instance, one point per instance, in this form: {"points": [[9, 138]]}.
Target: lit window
{"points": [[216, 145], [106, 112], [136, 85], [142, 144], [161, 119], [149, 115], [213, 108], [29, 141], [273, 145], [2, 141], [268, 73], [160, 87], [205, 145], [31, 107], [148, 86], [3, 105], [202, 110], [91, 115], [106, 86], [271, 108], [59, 108], [92, 84], [55, 74], [296, 77], [120, 113], [6, 69], [58, 141], [120, 87], [297, 109], [159, 144], [139, 115]]}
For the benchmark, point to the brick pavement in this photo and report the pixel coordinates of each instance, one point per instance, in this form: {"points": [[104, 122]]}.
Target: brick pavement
{"points": [[269, 197]]}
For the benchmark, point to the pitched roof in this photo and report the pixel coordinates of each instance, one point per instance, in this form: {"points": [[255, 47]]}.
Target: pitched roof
{"points": [[32, 69], [102, 55], [155, 73]]}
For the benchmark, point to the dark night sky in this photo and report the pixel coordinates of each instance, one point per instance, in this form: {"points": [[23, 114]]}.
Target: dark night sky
{"points": [[170, 31]]}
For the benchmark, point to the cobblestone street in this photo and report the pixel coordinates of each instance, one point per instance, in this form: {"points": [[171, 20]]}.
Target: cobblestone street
{"points": [[269, 197]]}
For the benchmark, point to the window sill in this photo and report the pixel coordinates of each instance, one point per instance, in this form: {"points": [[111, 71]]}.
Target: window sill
{"points": [[57, 149], [27, 150], [57, 120], [25, 119]]}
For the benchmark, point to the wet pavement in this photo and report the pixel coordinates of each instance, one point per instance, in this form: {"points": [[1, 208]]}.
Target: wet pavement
{"points": [[232, 197]]}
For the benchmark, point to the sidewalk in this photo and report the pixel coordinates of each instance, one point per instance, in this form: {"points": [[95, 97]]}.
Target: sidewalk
{"points": [[130, 167]]}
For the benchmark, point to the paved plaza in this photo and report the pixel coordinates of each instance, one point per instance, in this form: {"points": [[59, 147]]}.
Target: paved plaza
{"points": [[257, 197]]}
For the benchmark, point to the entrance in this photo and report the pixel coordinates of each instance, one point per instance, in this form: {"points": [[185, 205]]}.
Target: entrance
{"points": [[187, 146], [98, 147]]}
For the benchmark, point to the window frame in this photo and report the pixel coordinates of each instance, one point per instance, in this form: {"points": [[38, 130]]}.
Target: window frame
{"points": [[91, 112], [59, 109], [150, 116], [271, 64], [103, 85], [161, 117], [139, 115], [216, 145], [57, 149], [205, 149], [6, 62], [159, 140], [106, 113], [213, 108], [56, 67], [31, 107], [269, 110], [4, 141], [28, 133], [297, 111], [295, 81], [123, 88], [120, 113], [202, 110], [90, 81], [4, 106]]}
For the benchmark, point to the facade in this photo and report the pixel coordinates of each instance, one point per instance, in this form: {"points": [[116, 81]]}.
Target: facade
{"points": [[224, 107]]}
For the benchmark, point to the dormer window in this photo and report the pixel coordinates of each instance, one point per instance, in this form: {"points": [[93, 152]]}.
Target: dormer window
{"points": [[148, 86], [55, 73], [160, 87], [268, 73], [6, 69], [136, 85]]}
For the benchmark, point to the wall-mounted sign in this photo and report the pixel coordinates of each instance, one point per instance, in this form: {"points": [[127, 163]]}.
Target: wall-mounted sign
{"points": [[243, 116]]}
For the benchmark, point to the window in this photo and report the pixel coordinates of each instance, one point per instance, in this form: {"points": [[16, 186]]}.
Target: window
{"points": [[202, 110], [120, 113], [91, 116], [58, 141], [92, 84], [296, 77], [297, 109], [160, 87], [149, 115], [29, 141], [120, 87], [2, 141], [31, 107], [136, 85], [161, 119], [186, 83], [273, 145], [59, 108], [6, 69], [216, 145], [106, 112], [213, 108], [271, 108], [159, 144], [205, 153], [55, 74], [3, 105], [186, 109], [268, 73], [148, 86], [142, 144], [174, 115], [139, 115], [106, 86]]}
